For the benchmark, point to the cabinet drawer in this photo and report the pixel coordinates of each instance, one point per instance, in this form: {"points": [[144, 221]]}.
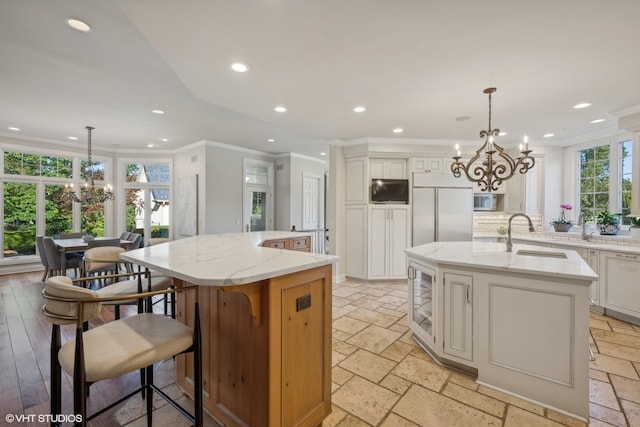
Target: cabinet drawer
{"points": [[300, 244], [278, 244]]}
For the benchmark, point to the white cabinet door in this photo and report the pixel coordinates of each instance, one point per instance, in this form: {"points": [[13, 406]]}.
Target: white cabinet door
{"points": [[396, 169], [423, 310], [590, 256], [376, 168], [357, 185], [619, 290], [398, 242], [458, 316], [593, 259], [523, 193], [379, 243], [356, 241], [388, 168], [431, 164], [388, 238]]}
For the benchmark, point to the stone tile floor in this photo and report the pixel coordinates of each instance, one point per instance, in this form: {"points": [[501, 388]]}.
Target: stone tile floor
{"points": [[381, 377]]}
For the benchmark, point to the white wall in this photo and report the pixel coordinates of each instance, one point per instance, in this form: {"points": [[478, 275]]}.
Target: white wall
{"points": [[283, 193], [188, 161]]}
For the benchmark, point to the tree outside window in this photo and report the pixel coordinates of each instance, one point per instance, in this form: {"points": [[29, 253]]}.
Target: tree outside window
{"points": [[594, 180]]}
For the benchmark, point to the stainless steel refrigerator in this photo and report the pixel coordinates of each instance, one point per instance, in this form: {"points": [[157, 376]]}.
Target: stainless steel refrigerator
{"points": [[442, 209]]}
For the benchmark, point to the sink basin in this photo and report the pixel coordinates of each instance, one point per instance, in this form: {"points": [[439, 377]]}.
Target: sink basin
{"points": [[547, 254]]}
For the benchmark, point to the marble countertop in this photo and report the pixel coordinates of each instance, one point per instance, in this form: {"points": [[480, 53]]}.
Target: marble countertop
{"points": [[227, 259], [618, 243], [491, 256]]}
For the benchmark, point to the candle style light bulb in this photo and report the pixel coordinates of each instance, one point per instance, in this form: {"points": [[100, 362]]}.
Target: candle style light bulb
{"points": [[520, 146], [526, 142], [457, 147]]}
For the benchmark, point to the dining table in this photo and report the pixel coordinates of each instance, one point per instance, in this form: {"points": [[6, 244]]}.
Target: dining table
{"points": [[79, 245]]}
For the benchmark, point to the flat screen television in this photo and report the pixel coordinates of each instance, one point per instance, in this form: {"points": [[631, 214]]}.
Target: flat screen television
{"points": [[389, 190]]}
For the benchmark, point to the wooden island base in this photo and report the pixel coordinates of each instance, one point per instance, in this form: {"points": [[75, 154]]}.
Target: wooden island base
{"points": [[266, 349]]}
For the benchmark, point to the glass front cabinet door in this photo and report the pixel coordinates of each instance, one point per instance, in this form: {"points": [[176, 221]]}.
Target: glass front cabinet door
{"points": [[422, 310]]}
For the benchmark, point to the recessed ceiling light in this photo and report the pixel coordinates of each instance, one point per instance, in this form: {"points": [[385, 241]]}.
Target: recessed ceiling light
{"points": [[164, 139], [548, 135], [239, 67], [150, 145], [323, 154], [463, 118], [271, 140], [280, 109], [79, 25], [359, 109], [398, 130], [157, 112], [582, 105], [597, 120], [502, 134], [13, 128], [73, 138]]}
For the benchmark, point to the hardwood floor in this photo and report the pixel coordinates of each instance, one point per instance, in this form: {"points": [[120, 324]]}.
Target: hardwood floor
{"points": [[25, 336]]}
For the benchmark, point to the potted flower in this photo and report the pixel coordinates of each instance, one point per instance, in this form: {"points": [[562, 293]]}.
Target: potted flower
{"points": [[607, 223], [562, 224]]}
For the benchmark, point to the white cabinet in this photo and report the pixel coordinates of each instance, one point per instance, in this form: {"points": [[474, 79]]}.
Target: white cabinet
{"points": [[356, 181], [427, 164], [619, 289], [590, 256], [431, 164], [423, 312], [523, 193], [593, 259], [388, 168], [356, 241], [458, 316], [388, 238]]}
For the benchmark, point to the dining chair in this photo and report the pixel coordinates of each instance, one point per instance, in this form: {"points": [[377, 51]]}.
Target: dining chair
{"points": [[125, 235], [115, 348], [74, 235], [43, 256], [136, 238], [103, 242], [54, 254]]}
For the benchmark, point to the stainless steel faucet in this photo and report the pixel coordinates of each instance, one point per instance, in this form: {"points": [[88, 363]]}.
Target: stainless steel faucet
{"points": [[582, 220], [531, 229]]}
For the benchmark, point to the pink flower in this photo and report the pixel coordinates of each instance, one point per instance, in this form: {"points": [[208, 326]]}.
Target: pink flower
{"points": [[566, 206]]}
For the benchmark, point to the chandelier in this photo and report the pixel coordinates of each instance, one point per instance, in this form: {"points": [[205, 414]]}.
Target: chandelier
{"points": [[89, 193], [490, 166]]}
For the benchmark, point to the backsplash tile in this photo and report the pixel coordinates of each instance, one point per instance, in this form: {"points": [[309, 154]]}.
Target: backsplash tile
{"points": [[487, 223]]}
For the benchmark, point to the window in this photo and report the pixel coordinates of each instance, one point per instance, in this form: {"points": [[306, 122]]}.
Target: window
{"points": [[594, 180], [625, 180], [19, 219], [605, 179], [147, 199], [31, 187]]}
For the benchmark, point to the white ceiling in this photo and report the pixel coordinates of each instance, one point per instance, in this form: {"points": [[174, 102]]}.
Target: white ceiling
{"points": [[415, 64]]}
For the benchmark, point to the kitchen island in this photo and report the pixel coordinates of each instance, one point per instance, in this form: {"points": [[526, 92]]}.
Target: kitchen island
{"points": [[265, 315], [519, 320]]}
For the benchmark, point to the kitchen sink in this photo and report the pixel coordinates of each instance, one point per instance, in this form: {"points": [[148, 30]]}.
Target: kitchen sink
{"points": [[546, 254]]}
